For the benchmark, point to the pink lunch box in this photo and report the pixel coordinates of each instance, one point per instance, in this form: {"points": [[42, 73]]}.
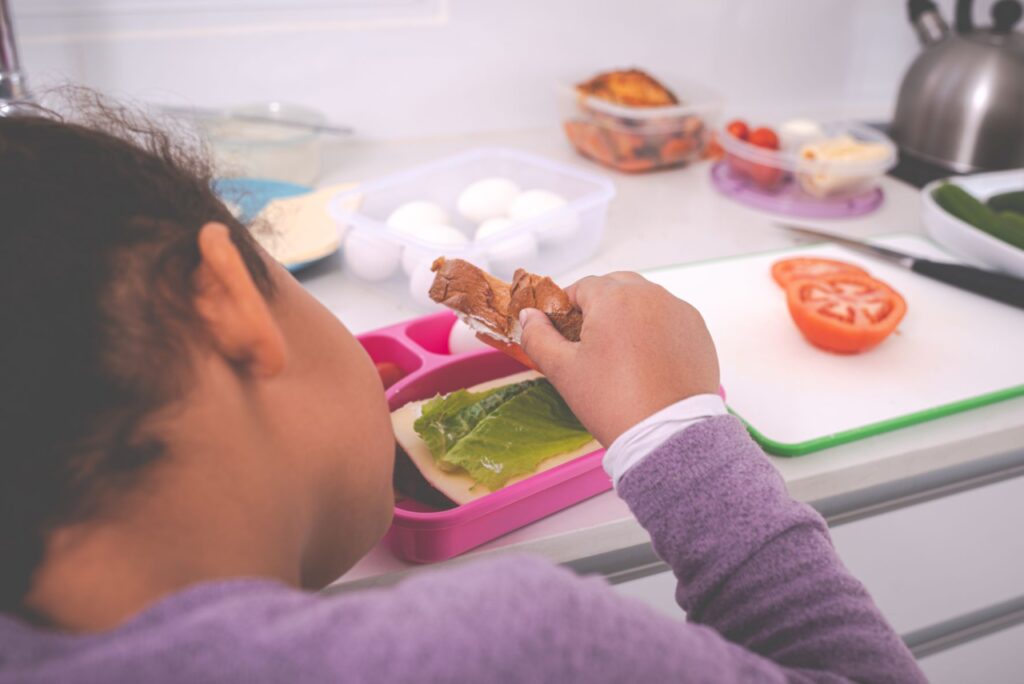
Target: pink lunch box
{"points": [[424, 534]]}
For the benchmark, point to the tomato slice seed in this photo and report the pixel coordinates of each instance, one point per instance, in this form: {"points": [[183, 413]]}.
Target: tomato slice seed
{"points": [[844, 312]]}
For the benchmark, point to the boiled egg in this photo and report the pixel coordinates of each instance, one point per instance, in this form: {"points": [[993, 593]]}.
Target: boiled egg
{"points": [[440, 237], [487, 198], [409, 217], [514, 250], [371, 257], [419, 286], [559, 226], [463, 339]]}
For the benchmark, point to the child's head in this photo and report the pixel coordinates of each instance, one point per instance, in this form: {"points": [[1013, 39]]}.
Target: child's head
{"points": [[141, 326]]}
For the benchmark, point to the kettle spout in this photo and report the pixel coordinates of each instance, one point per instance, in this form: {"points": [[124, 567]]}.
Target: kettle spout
{"points": [[929, 24]]}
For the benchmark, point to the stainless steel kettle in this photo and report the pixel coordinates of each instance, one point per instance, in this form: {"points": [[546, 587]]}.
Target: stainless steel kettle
{"points": [[961, 104]]}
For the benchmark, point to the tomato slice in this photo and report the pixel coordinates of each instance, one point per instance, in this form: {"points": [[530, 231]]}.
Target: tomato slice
{"points": [[844, 313], [788, 270], [513, 350]]}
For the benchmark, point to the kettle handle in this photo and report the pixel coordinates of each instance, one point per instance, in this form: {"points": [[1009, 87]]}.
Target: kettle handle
{"points": [[926, 20], [1005, 15]]}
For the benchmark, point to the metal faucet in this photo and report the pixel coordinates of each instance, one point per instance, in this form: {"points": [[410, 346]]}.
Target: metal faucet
{"points": [[14, 94]]}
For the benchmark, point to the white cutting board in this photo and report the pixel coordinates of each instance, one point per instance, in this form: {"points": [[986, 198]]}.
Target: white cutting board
{"points": [[953, 351]]}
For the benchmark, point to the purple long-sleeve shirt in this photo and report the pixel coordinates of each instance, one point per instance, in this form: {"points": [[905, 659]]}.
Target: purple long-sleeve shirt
{"points": [[766, 597]]}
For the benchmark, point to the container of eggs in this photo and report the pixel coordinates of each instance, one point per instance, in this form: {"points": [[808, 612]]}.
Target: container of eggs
{"points": [[501, 209]]}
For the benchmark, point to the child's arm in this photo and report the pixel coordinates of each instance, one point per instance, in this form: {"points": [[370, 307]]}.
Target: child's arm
{"points": [[753, 563], [757, 574]]}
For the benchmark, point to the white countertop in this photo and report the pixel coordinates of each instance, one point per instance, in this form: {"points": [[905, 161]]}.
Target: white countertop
{"points": [[655, 220]]}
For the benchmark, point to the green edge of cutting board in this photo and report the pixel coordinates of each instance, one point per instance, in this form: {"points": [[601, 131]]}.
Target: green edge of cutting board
{"points": [[871, 429], [811, 445]]}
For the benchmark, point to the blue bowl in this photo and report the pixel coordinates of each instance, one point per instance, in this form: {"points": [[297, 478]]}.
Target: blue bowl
{"points": [[252, 194]]}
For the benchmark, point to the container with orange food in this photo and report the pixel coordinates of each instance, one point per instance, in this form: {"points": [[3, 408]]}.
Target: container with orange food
{"points": [[629, 121]]}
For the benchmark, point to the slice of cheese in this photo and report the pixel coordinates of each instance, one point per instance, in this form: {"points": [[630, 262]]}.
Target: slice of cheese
{"points": [[459, 486]]}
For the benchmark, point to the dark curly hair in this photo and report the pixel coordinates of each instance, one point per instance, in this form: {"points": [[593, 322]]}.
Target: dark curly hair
{"points": [[99, 219]]}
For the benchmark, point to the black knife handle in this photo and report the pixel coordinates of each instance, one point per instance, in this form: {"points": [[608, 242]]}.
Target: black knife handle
{"points": [[998, 286]]}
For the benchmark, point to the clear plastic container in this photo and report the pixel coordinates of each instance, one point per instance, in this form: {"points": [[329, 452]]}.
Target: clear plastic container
{"points": [[638, 139], [792, 169], [548, 243], [259, 149]]}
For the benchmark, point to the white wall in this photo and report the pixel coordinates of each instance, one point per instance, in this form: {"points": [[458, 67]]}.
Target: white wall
{"points": [[492, 64]]}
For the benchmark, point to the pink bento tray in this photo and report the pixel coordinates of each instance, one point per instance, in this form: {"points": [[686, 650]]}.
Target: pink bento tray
{"points": [[423, 534]]}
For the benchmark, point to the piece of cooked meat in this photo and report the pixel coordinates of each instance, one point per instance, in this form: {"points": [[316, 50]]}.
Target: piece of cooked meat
{"points": [[482, 299], [461, 286], [629, 87], [540, 292]]}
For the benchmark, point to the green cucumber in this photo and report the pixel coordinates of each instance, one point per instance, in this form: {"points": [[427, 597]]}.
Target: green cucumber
{"points": [[1011, 228], [964, 206], [1007, 201], [1007, 226]]}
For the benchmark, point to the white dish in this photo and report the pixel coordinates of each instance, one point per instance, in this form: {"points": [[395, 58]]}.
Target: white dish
{"points": [[299, 230], [973, 244]]}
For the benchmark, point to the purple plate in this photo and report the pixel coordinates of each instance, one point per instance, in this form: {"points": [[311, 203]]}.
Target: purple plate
{"points": [[790, 199]]}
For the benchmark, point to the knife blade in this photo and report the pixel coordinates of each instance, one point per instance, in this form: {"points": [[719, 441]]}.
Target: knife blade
{"points": [[998, 286]]}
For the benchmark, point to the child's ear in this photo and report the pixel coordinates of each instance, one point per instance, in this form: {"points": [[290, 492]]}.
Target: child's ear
{"points": [[235, 313]]}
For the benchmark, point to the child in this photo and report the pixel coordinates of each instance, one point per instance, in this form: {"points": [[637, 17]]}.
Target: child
{"points": [[191, 444]]}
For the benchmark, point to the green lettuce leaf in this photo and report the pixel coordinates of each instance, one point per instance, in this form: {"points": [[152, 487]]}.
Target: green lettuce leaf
{"points": [[501, 433]]}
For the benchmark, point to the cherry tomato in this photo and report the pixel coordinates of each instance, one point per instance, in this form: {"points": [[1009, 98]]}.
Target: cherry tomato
{"points": [[389, 372], [764, 137], [738, 129], [788, 270], [846, 313]]}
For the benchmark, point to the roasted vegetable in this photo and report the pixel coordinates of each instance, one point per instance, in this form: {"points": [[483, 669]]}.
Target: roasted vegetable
{"points": [[631, 88]]}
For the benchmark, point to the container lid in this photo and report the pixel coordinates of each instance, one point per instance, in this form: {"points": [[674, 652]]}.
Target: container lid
{"points": [[693, 98], [598, 190]]}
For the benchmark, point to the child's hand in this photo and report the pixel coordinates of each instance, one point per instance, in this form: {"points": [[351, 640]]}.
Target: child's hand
{"points": [[640, 350]]}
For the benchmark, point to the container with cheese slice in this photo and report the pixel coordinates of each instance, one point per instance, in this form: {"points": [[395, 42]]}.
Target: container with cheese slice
{"points": [[841, 165]]}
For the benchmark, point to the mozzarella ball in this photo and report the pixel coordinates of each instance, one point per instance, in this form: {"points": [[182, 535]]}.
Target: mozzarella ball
{"points": [[560, 226], [419, 286], [796, 132], [441, 238], [463, 339], [409, 217], [487, 198], [371, 257]]}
